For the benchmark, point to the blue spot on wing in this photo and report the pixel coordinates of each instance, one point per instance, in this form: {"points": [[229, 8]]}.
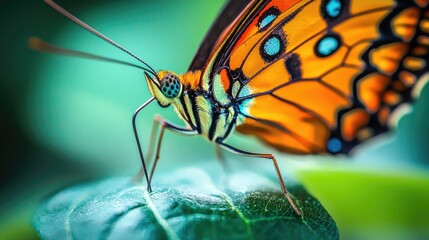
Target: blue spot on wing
{"points": [[327, 46], [334, 145], [333, 8], [268, 17], [267, 20], [272, 46]]}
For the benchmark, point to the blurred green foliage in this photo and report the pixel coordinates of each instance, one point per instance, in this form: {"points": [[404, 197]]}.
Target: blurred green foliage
{"points": [[65, 120]]}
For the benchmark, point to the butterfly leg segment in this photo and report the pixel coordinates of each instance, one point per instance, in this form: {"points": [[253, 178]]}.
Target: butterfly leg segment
{"points": [[276, 167], [158, 120], [152, 138]]}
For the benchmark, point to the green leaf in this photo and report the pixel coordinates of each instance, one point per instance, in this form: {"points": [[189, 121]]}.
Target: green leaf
{"points": [[184, 205]]}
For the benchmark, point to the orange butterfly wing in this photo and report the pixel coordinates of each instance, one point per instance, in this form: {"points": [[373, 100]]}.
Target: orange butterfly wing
{"points": [[321, 76]]}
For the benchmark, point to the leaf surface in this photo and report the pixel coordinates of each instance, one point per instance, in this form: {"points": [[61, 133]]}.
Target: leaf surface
{"points": [[184, 205]]}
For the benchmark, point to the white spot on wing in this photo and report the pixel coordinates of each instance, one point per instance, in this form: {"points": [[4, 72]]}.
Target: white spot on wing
{"points": [[398, 113], [417, 89]]}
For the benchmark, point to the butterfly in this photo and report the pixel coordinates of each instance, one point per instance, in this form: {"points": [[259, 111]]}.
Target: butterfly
{"points": [[303, 76]]}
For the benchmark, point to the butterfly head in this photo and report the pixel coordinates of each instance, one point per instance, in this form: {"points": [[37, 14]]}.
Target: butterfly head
{"points": [[166, 88]]}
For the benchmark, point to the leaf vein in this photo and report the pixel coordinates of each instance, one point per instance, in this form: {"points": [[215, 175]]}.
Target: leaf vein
{"points": [[247, 222], [163, 222]]}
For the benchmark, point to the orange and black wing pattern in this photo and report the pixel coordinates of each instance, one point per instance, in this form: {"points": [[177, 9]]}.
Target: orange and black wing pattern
{"points": [[321, 76]]}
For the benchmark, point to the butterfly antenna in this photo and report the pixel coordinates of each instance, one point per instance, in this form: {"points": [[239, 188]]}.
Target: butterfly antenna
{"points": [[43, 46], [98, 34]]}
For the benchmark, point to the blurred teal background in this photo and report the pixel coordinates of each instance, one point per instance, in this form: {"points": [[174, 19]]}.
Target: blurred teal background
{"points": [[66, 120]]}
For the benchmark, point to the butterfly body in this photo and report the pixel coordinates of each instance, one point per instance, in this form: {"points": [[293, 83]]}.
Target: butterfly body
{"points": [[206, 108]]}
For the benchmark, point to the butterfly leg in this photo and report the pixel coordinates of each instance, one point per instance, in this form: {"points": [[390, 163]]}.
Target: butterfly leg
{"points": [[150, 148], [152, 138], [172, 127], [143, 171], [276, 167]]}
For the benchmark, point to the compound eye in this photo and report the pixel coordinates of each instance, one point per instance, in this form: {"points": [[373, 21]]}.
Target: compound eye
{"points": [[170, 86]]}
